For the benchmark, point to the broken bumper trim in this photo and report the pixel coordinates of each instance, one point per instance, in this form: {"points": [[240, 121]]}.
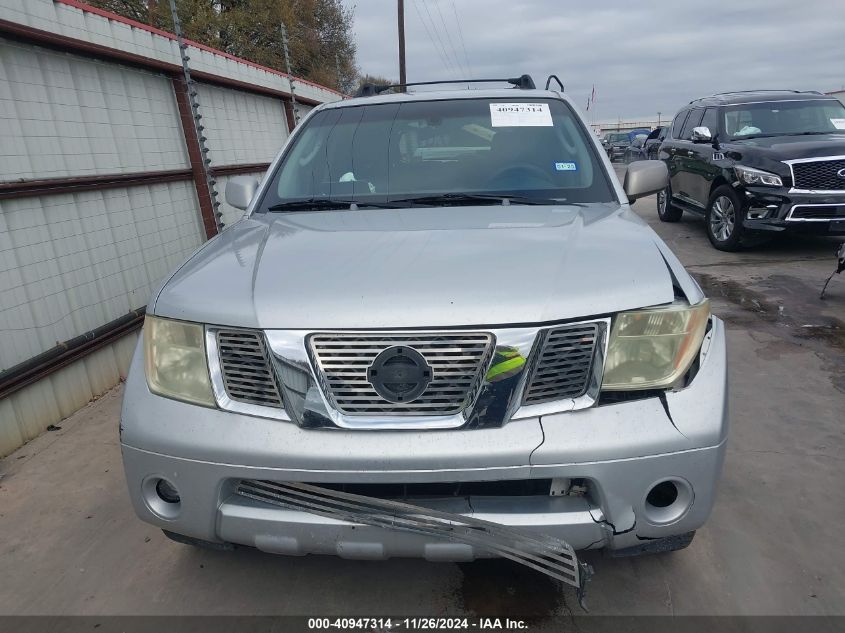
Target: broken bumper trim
{"points": [[546, 554]]}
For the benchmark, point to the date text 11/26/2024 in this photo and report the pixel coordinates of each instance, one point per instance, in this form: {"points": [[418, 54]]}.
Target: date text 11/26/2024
{"points": [[417, 624]]}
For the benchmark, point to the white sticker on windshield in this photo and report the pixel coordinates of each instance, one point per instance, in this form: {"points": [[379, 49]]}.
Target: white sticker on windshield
{"points": [[520, 115], [566, 166], [839, 124]]}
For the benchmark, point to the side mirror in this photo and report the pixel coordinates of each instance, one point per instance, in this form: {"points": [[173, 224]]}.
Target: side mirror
{"points": [[240, 191], [644, 178], [701, 134]]}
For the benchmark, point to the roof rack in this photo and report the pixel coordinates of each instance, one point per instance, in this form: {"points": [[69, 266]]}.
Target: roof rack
{"points": [[559, 82], [524, 82], [741, 92]]}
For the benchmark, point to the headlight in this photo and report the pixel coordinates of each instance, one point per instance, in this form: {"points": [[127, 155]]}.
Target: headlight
{"points": [[751, 176], [175, 361], [654, 348]]}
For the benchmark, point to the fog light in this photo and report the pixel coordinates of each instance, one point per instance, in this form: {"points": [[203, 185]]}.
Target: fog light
{"points": [[662, 495], [667, 501], [167, 492]]}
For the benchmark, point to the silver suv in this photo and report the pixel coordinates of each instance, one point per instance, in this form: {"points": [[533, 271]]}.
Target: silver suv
{"points": [[437, 303]]}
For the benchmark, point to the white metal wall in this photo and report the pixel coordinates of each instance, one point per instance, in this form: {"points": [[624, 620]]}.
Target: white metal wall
{"points": [[72, 262], [25, 414], [63, 115], [241, 127], [303, 110]]}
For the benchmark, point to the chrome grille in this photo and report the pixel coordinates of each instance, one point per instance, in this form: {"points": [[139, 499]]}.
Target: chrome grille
{"points": [[819, 175], [246, 369], [563, 367], [457, 362]]}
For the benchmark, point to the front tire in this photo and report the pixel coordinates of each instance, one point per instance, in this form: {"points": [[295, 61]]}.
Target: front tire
{"points": [[666, 211], [723, 219]]}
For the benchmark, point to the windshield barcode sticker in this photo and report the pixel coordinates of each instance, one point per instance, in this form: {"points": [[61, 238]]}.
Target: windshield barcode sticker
{"points": [[839, 124], [520, 115]]}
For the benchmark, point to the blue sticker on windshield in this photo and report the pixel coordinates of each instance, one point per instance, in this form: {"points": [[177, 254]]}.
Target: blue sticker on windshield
{"points": [[566, 167]]}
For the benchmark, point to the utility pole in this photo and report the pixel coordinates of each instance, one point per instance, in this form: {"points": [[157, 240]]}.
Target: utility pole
{"points": [[658, 119], [401, 12], [290, 74]]}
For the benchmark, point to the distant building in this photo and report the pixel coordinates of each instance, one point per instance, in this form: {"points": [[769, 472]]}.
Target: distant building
{"points": [[627, 125]]}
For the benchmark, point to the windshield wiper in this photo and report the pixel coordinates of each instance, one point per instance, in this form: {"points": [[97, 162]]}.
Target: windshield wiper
{"points": [[742, 138], [312, 204], [489, 198], [745, 137]]}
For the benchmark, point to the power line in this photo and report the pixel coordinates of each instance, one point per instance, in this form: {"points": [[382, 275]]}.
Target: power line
{"points": [[448, 35], [440, 53], [461, 36], [439, 39]]}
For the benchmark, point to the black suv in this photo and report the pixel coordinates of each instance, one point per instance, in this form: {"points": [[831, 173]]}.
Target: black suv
{"points": [[757, 161], [616, 143]]}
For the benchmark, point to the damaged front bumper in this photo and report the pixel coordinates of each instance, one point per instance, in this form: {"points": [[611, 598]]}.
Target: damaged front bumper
{"points": [[543, 553], [603, 462]]}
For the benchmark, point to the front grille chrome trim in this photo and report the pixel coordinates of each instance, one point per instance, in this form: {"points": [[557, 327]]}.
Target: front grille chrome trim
{"points": [[815, 159], [790, 217], [491, 404], [457, 360], [565, 360], [588, 393], [245, 367], [218, 383]]}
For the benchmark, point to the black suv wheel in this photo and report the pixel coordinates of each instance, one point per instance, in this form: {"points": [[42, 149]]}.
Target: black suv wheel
{"points": [[666, 211], [723, 219]]}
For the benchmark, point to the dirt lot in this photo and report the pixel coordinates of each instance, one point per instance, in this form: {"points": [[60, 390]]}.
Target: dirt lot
{"points": [[71, 544]]}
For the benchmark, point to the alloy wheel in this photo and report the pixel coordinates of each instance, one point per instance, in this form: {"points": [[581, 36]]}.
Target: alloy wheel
{"points": [[722, 218]]}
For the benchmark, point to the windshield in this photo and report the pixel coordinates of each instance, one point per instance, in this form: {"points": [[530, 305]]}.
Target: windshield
{"points": [[424, 149], [617, 138], [784, 118]]}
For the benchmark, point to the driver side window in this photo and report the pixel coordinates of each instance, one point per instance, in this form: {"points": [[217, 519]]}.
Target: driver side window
{"points": [[692, 121], [710, 120]]}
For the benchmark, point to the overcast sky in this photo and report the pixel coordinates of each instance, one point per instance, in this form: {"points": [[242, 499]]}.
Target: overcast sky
{"points": [[643, 56]]}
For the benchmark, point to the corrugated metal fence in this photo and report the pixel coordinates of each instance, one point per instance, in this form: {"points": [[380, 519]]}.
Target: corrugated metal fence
{"points": [[101, 190]]}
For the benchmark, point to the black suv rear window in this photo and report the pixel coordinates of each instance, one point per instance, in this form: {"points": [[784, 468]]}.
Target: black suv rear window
{"points": [[678, 123]]}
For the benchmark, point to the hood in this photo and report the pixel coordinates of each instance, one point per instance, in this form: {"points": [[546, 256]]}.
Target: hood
{"points": [[422, 267], [780, 148]]}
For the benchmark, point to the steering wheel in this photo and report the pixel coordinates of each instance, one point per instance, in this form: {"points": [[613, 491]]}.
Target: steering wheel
{"points": [[514, 171]]}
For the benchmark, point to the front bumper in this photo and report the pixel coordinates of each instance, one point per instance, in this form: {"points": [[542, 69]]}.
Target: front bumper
{"points": [[618, 452], [778, 210]]}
